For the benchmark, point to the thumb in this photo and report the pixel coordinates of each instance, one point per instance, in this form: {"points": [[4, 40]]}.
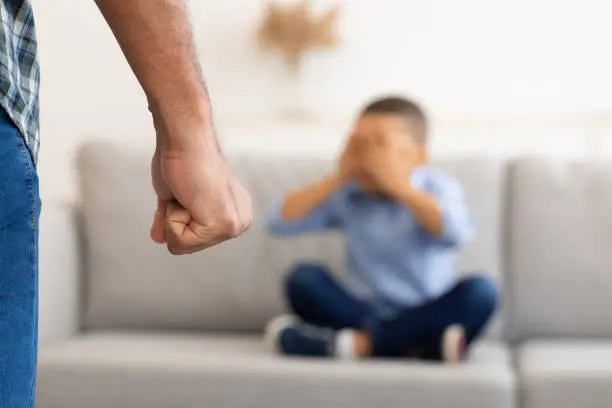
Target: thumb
{"points": [[158, 228], [182, 233], [177, 219]]}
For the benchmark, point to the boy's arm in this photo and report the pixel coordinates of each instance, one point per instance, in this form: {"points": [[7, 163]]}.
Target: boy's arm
{"points": [[310, 208], [443, 213]]}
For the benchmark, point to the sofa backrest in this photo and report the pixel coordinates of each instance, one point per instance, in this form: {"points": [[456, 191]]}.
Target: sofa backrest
{"points": [[133, 283], [560, 249]]}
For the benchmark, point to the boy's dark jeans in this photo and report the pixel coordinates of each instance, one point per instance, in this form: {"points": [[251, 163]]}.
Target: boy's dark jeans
{"points": [[319, 300]]}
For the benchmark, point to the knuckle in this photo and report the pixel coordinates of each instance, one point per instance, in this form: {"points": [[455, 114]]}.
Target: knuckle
{"points": [[247, 224], [228, 226]]}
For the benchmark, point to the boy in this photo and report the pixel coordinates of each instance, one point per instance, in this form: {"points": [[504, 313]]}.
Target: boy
{"points": [[404, 222]]}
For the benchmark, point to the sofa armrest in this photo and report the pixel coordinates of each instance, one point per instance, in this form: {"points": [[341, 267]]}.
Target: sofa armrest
{"points": [[59, 273]]}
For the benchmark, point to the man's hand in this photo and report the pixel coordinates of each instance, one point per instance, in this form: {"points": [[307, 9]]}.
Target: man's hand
{"points": [[200, 203]]}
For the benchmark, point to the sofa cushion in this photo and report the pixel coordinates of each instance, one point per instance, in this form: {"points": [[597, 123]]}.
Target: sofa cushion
{"points": [[235, 286], [559, 249], [135, 283], [565, 374], [484, 182], [125, 370]]}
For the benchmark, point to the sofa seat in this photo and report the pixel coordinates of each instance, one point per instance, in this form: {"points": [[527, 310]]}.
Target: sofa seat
{"points": [[157, 370], [566, 373]]}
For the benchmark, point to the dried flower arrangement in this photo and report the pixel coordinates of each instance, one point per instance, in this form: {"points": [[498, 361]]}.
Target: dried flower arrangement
{"points": [[295, 30]]}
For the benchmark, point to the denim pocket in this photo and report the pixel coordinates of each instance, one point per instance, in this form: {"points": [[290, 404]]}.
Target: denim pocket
{"points": [[33, 184], [19, 190]]}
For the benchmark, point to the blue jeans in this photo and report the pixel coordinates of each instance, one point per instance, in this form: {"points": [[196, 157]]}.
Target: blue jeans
{"points": [[19, 212], [318, 299]]}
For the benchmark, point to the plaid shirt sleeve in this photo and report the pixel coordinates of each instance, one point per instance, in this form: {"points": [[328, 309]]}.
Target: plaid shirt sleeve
{"points": [[19, 69]]}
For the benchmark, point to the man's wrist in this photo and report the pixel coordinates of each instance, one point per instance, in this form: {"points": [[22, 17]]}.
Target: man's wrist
{"points": [[183, 126], [183, 102]]}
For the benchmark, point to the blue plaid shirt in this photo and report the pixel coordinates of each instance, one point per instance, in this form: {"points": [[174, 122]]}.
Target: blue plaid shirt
{"points": [[392, 260], [19, 69]]}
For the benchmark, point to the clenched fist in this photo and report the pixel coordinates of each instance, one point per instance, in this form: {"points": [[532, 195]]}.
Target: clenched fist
{"points": [[200, 203]]}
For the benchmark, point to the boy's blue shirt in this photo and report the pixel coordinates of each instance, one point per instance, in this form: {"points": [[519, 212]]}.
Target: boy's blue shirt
{"points": [[391, 259]]}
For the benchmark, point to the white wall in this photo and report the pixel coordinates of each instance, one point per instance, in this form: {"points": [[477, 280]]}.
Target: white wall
{"points": [[501, 77]]}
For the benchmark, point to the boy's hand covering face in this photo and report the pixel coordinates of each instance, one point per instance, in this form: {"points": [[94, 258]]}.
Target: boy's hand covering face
{"points": [[351, 160], [381, 151], [389, 159]]}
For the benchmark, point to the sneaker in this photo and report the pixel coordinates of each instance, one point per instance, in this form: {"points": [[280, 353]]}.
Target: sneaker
{"points": [[453, 344], [289, 336]]}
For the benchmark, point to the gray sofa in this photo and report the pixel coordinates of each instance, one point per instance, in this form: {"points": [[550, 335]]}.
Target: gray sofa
{"points": [[160, 331]]}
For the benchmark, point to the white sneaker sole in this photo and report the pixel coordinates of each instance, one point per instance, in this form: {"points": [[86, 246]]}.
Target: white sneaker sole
{"points": [[453, 344], [274, 328]]}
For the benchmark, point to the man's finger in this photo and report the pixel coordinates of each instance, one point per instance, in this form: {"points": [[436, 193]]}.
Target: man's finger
{"points": [[177, 219], [180, 236]]}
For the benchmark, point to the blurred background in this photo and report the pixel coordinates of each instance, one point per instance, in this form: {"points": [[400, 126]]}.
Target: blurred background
{"points": [[498, 78]]}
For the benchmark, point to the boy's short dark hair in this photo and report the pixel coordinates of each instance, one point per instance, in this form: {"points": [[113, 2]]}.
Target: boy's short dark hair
{"points": [[409, 110]]}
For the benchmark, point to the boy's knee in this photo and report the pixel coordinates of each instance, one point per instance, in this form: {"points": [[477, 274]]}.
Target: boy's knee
{"points": [[304, 275], [482, 293]]}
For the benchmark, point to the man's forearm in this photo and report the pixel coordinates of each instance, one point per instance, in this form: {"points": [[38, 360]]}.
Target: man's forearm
{"points": [[156, 39]]}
